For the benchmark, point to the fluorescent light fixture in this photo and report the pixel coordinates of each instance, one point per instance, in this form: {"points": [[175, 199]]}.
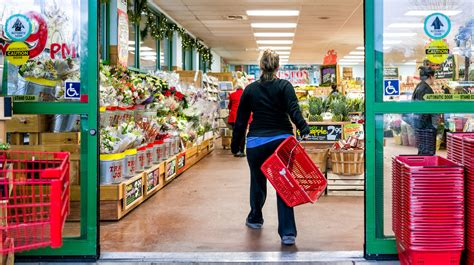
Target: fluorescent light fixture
{"points": [[273, 13], [131, 48], [131, 42], [429, 12], [145, 48], [283, 52], [351, 60], [392, 42], [274, 25], [410, 63], [354, 57], [406, 25], [344, 63], [149, 58], [281, 42], [284, 57], [148, 53], [276, 48], [357, 53], [274, 34], [387, 47], [360, 48], [400, 34]]}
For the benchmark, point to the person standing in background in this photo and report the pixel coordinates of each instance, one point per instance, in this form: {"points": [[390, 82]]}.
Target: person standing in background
{"points": [[334, 90], [425, 124], [234, 101], [274, 106]]}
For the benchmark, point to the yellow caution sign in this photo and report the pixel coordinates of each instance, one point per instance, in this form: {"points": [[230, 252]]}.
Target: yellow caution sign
{"points": [[437, 51], [17, 53]]}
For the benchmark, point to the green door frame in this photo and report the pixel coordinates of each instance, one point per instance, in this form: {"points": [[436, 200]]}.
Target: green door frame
{"points": [[86, 246], [378, 245]]}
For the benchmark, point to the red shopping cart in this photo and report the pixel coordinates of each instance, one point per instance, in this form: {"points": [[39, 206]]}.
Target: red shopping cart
{"points": [[34, 199], [293, 174]]}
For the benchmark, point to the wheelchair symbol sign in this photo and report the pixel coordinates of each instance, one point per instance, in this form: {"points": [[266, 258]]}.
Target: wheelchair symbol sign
{"points": [[391, 87], [73, 90]]}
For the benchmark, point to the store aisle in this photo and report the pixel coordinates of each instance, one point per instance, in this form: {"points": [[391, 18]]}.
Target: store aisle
{"points": [[205, 210]]}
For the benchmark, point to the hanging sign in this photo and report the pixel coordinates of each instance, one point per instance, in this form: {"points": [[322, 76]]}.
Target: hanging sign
{"points": [[437, 26], [437, 51], [296, 77], [449, 97], [18, 27], [17, 53], [390, 72], [328, 75], [123, 35]]}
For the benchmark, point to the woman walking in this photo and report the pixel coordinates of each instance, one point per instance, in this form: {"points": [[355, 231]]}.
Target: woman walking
{"points": [[273, 103]]}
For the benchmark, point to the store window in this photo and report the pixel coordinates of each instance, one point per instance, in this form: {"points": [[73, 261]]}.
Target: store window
{"points": [[103, 31], [51, 35], [435, 35], [148, 52], [164, 53], [131, 45], [412, 135]]}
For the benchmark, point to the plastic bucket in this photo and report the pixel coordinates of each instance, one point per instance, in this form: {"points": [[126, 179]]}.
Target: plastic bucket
{"points": [[141, 159], [130, 163], [149, 156], [159, 150], [111, 168], [66, 123]]}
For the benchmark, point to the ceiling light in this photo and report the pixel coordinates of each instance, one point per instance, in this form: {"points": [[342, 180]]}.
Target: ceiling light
{"points": [[274, 42], [406, 25], [357, 53], [392, 41], [149, 58], [131, 48], [351, 60], [148, 53], [429, 12], [276, 48], [410, 63], [274, 34], [145, 48], [283, 52], [400, 34], [273, 13], [350, 64], [285, 57], [360, 48], [273, 25], [386, 47], [354, 57]]}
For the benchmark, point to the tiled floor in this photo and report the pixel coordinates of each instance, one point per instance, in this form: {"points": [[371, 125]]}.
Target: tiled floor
{"points": [[204, 211]]}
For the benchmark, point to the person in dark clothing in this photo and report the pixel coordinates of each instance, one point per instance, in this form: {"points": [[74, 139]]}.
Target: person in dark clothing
{"points": [[423, 123], [274, 105], [334, 90]]}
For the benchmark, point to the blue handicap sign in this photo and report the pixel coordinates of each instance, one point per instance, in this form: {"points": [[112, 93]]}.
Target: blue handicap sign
{"points": [[73, 90], [391, 87]]}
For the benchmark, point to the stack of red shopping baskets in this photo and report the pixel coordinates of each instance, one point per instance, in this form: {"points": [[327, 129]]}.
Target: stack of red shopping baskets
{"points": [[468, 162], [34, 199], [455, 145], [428, 205]]}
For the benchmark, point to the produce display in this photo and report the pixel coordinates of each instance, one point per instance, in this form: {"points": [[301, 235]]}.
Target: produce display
{"points": [[335, 108], [150, 115]]}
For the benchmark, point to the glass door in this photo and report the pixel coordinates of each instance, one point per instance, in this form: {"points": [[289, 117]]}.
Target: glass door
{"points": [[418, 79], [49, 65]]}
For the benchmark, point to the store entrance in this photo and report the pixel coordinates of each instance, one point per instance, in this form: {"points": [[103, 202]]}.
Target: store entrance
{"points": [[197, 199]]}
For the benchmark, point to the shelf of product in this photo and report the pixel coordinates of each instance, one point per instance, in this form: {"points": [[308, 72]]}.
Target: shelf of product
{"points": [[152, 128]]}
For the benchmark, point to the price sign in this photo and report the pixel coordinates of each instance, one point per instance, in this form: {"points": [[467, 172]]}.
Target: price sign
{"points": [[325, 133], [170, 169], [152, 180], [133, 192], [181, 162]]}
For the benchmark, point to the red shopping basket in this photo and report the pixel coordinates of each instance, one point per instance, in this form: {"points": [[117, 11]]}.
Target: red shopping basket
{"points": [[34, 198], [293, 174]]}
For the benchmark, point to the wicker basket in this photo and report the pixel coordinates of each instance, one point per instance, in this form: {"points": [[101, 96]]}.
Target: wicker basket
{"points": [[348, 163], [226, 141], [319, 157]]}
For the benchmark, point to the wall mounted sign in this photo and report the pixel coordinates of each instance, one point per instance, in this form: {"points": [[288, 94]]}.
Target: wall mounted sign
{"points": [[328, 75], [437, 51], [18, 27], [296, 74], [437, 26]]}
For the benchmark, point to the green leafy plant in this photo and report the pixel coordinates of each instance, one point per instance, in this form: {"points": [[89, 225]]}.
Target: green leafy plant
{"points": [[315, 109]]}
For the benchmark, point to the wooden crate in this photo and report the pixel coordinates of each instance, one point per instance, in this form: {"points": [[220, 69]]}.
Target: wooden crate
{"points": [[24, 138], [28, 123], [350, 162], [73, 149], [60, 138]]}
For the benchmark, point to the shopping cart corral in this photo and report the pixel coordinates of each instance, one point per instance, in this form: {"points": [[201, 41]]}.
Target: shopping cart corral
{"points": [[34, 199]]}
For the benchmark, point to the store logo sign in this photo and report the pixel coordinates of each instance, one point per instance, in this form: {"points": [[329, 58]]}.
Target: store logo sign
{"points": [[391, 87], [437, 26]]}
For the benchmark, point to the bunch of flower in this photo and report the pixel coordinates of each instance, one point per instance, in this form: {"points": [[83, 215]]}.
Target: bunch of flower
{"points": [[118, 139]]}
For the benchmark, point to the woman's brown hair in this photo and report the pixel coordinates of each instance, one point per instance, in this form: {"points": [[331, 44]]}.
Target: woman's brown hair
{"points": [[269, 64]]}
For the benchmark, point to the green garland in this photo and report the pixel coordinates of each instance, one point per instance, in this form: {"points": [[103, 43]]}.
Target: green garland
{"points": [[164, 29]]}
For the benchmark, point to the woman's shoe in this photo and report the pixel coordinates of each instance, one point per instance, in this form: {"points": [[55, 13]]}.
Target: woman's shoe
{"points": [[253, 225], [288, 240], [238, 154]]}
